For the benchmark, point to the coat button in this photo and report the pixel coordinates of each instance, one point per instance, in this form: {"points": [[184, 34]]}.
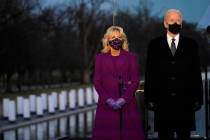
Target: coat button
{"points": [[173, 78], [173, 94], [172, 62]]}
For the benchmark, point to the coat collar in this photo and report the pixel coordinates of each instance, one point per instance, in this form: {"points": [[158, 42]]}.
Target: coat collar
{"points": [[116, 70], [122, 53]]}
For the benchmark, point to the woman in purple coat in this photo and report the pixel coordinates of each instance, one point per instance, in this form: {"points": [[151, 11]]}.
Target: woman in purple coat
{"points": [[116, 79]]}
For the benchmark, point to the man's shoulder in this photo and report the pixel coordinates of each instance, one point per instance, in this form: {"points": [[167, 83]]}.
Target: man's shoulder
{"points": [[187, 38], [158, 39]]}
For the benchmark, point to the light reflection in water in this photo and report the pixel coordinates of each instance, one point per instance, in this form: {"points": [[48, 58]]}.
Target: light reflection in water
{"points": [[77, 125], [10, 135], [41, 131], [72, 125], [63, 126], [52, 127], [81, 125], [26, 134], [89, 122], [33, 132]]}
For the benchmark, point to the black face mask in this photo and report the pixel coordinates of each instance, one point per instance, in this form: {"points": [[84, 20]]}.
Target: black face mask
{"points": [[116, 43], [174, 28]]}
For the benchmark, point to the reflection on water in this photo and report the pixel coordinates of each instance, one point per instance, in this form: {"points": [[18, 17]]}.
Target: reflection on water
{"points": [[81, 125], [32, 132], [72, 124], [77, 125], [41, 131], [63, 126], [90, 116], [52, 129], [9, 135]]}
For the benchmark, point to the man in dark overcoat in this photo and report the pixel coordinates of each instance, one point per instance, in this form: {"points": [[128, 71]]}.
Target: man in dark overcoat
{"points": [[173, 85]]}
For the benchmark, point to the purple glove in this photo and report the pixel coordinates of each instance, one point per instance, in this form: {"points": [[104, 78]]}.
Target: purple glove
{"points": [[110, 102], [119, 103]]}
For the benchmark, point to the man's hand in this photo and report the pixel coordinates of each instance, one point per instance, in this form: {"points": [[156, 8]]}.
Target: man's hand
{"points": [[151, 106], [197, 106]]}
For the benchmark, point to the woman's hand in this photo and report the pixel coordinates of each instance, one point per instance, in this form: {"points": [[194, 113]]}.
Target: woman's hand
{"points": [[120, 102], [115, 104]]}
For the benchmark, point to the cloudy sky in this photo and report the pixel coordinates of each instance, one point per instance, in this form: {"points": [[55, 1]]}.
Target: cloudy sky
{"points": [[193, 10]]}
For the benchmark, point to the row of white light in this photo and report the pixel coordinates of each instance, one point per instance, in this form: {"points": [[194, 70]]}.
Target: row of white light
{"points": [[48, 103]]}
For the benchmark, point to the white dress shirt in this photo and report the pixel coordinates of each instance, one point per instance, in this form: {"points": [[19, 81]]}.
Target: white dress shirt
{"points": [[169, 39]]}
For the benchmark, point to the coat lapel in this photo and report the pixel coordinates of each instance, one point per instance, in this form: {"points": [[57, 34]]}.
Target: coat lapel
{"points": [[166, 46], [179, 47]]}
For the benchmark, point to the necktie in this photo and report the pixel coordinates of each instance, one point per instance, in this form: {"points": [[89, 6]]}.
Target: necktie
{"points": [[173, 46]]}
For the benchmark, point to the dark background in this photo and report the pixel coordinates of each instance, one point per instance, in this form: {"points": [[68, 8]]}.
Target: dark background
{"points": [[47, 46]]}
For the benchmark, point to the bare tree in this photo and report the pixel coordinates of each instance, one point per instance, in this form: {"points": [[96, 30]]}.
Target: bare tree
{"points": [[87, 16], [13, 13]]}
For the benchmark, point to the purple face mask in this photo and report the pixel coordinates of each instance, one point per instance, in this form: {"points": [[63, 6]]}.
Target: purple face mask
{"points": [[116, 43]]}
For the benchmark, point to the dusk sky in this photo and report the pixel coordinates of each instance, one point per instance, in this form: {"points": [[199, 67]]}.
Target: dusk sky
{"points": [[193, 10]]}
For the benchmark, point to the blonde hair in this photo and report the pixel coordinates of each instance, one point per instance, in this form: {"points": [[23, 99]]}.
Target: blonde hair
{"points": [[172, 11], [109, 31]]}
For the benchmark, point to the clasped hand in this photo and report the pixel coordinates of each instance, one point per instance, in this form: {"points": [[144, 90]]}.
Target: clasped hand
{"points": [[115, 104], [197, 106]]}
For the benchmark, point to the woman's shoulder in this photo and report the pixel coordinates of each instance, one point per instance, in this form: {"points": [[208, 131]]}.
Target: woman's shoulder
{"points": [[101, 55], [130, 53]]}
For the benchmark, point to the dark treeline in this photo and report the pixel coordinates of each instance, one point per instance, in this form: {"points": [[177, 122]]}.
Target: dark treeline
{"points": [[53, 45]]}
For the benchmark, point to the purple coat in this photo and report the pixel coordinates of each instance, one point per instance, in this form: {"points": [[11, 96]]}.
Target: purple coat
{"points": [[107, 120]]}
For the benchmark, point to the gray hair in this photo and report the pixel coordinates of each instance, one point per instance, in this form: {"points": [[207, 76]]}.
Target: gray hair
{"points": [[172, 11]]}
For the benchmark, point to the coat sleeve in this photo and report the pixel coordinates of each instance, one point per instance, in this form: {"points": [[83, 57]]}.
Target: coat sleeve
{"points": [[133, 83], [197, 80], [103, 95], [150, 75]]}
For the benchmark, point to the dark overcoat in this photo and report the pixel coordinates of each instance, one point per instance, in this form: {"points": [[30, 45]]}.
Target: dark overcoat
{"points": [[173, 83]]}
